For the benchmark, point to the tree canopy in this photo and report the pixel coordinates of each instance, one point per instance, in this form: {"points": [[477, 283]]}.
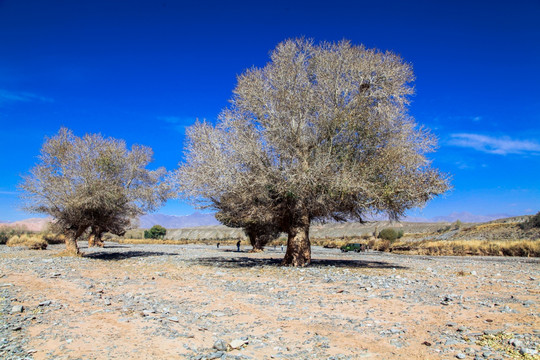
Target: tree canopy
{"points": [[322, 131], [92, 182]]}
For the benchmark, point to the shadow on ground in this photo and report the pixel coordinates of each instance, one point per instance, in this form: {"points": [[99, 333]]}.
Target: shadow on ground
{"points": [[124, 255], [246, 262]]}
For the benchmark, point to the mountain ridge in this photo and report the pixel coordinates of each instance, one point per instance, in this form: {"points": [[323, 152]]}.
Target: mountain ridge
{"points": [[208, 219]]}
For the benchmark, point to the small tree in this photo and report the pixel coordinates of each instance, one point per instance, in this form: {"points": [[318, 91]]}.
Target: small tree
{"points": [[92, 182], [155, 232], [322, 131]]}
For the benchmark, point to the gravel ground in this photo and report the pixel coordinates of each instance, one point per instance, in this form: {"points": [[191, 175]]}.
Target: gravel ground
{"points": [[199, 302]]}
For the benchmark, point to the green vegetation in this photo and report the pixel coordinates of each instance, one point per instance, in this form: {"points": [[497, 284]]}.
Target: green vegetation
{"points": [[533, 222], [390, 234], [156, 232]]}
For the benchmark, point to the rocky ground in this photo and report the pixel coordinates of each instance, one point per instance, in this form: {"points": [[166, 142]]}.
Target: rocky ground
{"points": [[199, 302]]}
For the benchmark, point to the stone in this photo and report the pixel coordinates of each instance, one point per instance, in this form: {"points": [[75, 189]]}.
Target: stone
{"points": [[45, 303], [220, 345], [461, 356], [526, 351], [215, 355], [17, 309], [237, 343]]}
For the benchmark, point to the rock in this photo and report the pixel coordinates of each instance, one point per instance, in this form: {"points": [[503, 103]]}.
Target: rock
{"points": [[17, 309], [237, 343], [45, 303], [516, 343], [220, 345], [526, 351], [461, 356], [173, 319], [215, 355]]}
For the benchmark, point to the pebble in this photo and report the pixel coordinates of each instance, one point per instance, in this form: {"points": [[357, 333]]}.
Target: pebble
{"points": [[408, 281]]}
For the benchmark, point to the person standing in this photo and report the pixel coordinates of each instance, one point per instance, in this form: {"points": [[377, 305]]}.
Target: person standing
{"points": [[238, 246]]}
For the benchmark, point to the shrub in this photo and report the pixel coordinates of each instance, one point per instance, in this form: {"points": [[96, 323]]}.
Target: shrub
{"points": [[533, 222], [36, 243], [388, 234], [9, 232], [52, 239], [31, 242], [156, 232]]}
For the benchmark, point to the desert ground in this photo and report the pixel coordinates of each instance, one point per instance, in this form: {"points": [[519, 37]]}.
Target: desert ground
{"points": [[199, 302]]}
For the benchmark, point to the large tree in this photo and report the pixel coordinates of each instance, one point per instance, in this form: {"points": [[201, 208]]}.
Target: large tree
{"points": [[322, 131], [92, 183]]}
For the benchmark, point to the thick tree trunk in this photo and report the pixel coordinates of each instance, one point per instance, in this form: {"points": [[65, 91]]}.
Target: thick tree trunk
{"points": [[298, 244], [71, 241], [71, 245]]}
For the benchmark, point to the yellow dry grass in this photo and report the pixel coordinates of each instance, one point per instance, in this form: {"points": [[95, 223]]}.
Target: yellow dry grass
{"points": [[528, 248], [32, 242]]}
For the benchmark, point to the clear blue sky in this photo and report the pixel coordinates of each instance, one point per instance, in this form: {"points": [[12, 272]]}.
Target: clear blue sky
{"points": [[144, 70]]}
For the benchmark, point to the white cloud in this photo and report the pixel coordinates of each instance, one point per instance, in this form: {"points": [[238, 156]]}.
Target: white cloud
{"points": [[494, 145], [21, 96]]}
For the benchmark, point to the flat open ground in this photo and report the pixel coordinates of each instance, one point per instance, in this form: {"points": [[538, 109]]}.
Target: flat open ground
{"points": [[166, 302]]}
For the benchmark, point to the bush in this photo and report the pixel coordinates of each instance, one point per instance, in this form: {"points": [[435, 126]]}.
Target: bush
{"points": [[36, 243], [388, 234], [533, 222], [156, 232], [7, 233], [52, 239], [31, 242]]}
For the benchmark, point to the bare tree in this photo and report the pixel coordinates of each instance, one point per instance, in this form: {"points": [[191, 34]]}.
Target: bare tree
{"points": [[322, 131], [92, 183]]}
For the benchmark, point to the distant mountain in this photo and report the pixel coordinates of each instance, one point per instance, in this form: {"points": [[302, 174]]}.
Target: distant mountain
{"points": [[177, 222], [199, 219], [467, 217], [32, 224]]}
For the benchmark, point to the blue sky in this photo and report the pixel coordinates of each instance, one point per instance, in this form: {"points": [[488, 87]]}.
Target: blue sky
{"points": [[144, 70]]}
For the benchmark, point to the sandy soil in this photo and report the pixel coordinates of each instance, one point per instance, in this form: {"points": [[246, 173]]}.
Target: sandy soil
{"points": [[165, 302]]}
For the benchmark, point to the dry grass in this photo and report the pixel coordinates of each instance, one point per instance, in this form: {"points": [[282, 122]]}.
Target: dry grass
{"points": [[54, 238], [525, 248], [528, 248], [181, 241], [32, 242]]}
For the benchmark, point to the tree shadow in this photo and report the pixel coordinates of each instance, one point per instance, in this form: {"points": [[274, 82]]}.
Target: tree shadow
{"points": [[124, 255], [247, 262]]}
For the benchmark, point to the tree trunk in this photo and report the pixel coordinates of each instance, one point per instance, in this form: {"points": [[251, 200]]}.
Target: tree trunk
{"points": [[98, 241], [71, 245], [298, 244], [257, 243], [71, 241], [91, 240]]}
